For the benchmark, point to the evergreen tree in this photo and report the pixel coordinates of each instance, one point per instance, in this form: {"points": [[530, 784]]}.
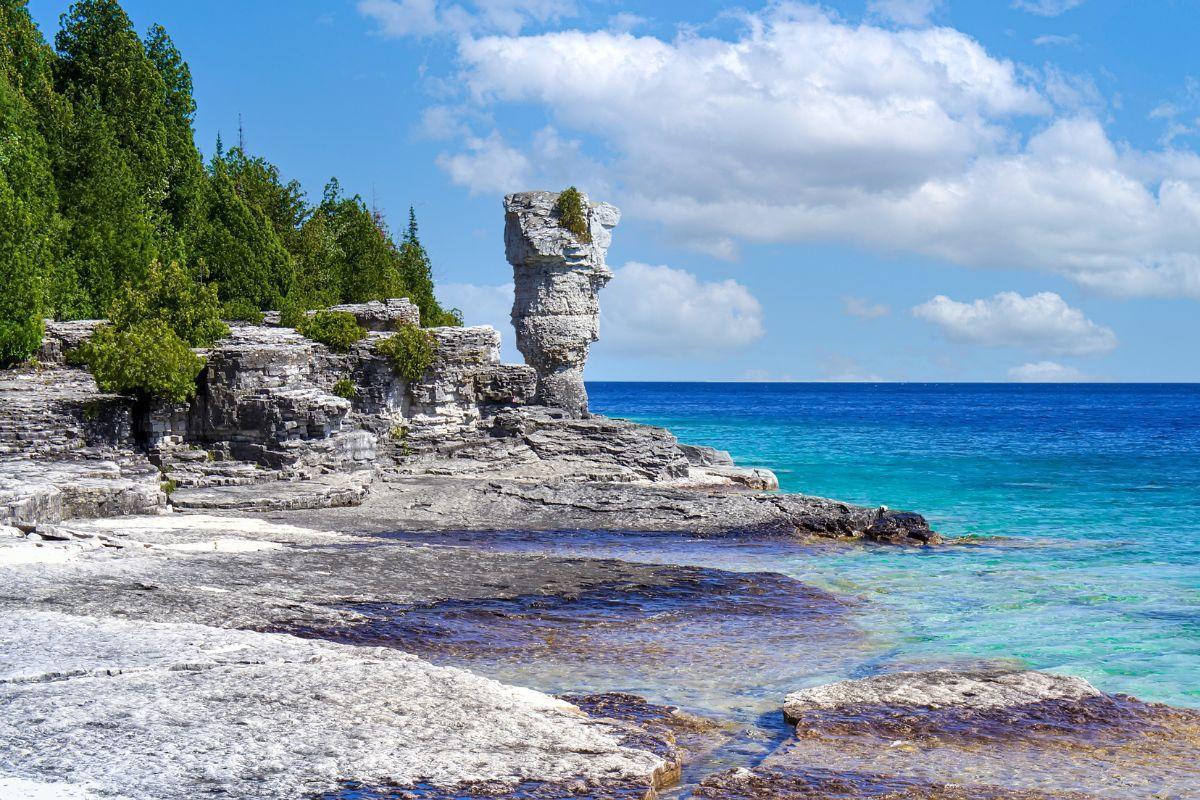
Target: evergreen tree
{"points": [[26, 214], [353, 258], [111, 237], [186, 182], [417, 274], [238, 247], [28, 198], [260, 185]]}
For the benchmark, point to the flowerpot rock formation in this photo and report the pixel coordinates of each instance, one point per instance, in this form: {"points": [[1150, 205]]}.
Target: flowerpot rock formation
{"points": [[557, 279]]}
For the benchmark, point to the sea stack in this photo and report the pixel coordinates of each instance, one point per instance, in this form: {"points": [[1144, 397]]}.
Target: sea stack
{"points": [[557, 276]]}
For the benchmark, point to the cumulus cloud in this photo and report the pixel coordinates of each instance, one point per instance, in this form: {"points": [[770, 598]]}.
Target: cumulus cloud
{"points": [[862, 307], [1046, 372], [904, 12], [646, 310], [659, 310], [1042, 322], [489, 164], [809, 128], [430, 17]]}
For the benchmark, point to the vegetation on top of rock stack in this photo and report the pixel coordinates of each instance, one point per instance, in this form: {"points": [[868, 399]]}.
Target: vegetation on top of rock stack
{"points": [[572, 215], [337, 330], [100, 179], [411, 351]]}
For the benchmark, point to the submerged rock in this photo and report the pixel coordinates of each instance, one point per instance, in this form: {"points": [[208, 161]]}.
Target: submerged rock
{"points": [[1002, 734], [557, 279]]}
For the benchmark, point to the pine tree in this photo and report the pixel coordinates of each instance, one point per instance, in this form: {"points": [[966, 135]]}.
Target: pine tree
{"points": [[103, 63], [111, 237]]}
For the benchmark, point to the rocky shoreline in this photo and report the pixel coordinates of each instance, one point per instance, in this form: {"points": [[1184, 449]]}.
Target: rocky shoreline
{"points": [[193, 603]]}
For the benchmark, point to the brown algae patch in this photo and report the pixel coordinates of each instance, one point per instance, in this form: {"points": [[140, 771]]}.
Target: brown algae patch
{"points": [[824, 784], [695, 633], [1024, 731]]}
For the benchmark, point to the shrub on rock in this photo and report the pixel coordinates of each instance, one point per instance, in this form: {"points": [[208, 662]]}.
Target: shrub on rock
{"points": [[337, 330], [572, 215], [411, 351], [170, 295], [241, 310], [147, 360]]}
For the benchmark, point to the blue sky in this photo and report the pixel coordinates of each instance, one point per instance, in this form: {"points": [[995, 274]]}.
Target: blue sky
{"points": [[885, 190]]}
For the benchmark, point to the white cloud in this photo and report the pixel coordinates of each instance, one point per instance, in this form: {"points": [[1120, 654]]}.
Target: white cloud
{"points": [[1042, 322], [658, 310], [488, 165], [846, 369], [397, 18], [1046, 372], [1046, 8], [1054, 39], [862, 307], [645, 310], [807, 128], [904, 12]]}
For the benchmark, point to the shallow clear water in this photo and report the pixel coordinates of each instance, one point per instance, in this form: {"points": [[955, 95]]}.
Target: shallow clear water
{"points": [[1095, 489]]}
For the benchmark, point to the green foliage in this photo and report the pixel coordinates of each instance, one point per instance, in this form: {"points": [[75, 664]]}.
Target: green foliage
{"points": [[170, 295], [571, 213], [239, 248], [411, 351], [417, 273], [241, 310], [291, 313], [168, 486], [147, 360], [100, 180], [337, 330], [26, 215], [345, 388], [111, 232]]}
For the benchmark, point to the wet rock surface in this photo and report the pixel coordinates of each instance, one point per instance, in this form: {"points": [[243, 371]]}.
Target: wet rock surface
{"points": [[824, 784], [1024, 731]]}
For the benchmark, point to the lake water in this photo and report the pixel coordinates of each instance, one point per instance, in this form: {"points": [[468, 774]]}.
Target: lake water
{"points": [[1084, 501]]}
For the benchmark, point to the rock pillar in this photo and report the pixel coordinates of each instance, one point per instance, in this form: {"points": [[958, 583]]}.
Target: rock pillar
{"points": [[557, 278]]}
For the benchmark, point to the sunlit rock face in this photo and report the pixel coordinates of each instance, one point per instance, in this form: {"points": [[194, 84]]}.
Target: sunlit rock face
{"points": [[557, 278]]}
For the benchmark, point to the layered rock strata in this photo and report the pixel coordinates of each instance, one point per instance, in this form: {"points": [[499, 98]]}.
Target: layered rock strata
{"points": [[557, 279]]}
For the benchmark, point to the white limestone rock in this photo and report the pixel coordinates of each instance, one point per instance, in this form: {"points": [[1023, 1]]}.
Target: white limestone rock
{"points": [[171, 710], [557, 278]]}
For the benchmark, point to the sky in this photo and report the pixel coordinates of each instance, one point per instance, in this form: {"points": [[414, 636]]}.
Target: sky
{"points": [[869, 190]]}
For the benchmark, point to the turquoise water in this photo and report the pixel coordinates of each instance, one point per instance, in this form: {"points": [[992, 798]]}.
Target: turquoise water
{"points": [[1084, 501]]}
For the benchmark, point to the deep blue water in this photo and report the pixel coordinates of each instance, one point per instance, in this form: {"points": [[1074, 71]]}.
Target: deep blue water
{"points": [[1095, 490]]}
